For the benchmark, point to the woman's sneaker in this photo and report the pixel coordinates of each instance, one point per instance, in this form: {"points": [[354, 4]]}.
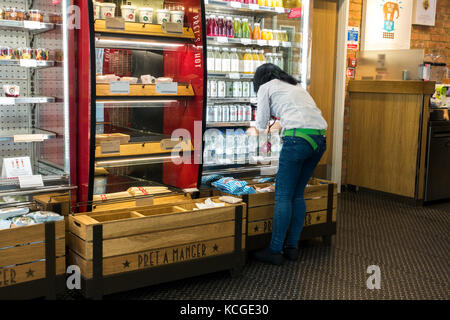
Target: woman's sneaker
{"points": [[291, 254], [266, 255]]}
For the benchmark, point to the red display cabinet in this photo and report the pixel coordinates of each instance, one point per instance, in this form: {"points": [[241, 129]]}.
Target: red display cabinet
{"points": [[140, 98]]}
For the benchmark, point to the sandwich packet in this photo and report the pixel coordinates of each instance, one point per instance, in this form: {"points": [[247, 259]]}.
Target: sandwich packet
{"points": [[44, 216], [7, 213]]}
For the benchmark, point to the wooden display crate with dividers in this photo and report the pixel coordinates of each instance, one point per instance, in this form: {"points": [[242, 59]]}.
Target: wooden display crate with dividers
{"points": [[124, 249], [320, 219], [32, 261]]}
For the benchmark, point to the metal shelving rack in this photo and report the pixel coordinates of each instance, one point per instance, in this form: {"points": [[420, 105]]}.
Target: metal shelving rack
{"points": [[36, 124]]}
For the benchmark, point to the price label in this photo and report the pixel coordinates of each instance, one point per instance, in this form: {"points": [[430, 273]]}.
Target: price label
{"points": [[274, 43], [15, 167], [280, 10], [222, 39], [235, 4], [29, 63], [167, 88], [286, 44], [253, 6], [246, 41], [119, 87], [32, 25], [261, 42], [7, 101], [31, 181], [28, 138], [234, 76]]}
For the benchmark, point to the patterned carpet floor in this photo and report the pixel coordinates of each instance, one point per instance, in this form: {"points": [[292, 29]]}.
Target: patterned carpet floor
{"points": [[409, 243]]}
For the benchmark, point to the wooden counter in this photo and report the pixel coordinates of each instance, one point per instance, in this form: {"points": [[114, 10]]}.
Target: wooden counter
{"points": [[387, 138]]}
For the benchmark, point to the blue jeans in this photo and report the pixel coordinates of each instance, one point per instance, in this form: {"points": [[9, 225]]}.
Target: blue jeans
{"points": [[296, 166]]}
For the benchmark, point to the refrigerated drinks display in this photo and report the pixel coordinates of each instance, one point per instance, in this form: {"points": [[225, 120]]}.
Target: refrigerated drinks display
{"points": [[35, 100], [241, 36], [142, 101]]}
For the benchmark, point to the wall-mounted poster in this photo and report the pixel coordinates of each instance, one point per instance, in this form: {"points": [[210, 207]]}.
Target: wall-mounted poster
{"points": [[387, 24], [424, 12]]}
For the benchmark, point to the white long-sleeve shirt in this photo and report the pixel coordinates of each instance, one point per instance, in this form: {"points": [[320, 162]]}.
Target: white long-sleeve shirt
{"points": [[293, 105]]}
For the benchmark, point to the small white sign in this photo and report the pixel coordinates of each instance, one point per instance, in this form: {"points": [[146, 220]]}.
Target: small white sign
{"points": [[424, 12], [32, 181], [234, 76], [222, 39], [28, 138], [274, 43], [261, 42], [167, 88], [286, 44], [246, 41], [235, 4], [253, 6], [119, 87], [7, 101], [28, 63], [32, 24], [16, 167], [280, 10]]}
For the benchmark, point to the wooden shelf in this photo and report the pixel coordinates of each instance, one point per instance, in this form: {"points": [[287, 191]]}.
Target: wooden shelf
{"points": [[147, 90], [143, 29], [143, 148]]}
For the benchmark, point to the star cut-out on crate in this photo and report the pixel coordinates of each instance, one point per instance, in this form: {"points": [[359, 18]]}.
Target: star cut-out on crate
{"points": [[256, 229], [216, 248], [30, 273], [126, 264]]}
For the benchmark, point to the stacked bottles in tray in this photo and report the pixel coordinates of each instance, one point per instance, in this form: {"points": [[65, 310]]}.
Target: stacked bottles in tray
{"points": [[225, 60], [230, 113], [241, 28], [222, 89], [234, 146]]}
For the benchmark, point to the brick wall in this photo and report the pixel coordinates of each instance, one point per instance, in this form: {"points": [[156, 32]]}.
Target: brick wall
{"points": [[434, 40]]}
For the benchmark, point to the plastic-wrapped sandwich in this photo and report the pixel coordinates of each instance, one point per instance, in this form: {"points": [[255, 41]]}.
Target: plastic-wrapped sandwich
{"points": [[7, 213], [45, 216]]}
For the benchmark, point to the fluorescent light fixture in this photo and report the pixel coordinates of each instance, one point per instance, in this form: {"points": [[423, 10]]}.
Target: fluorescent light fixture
{"points": [[134, 161], [142, 103], [148, 44]]}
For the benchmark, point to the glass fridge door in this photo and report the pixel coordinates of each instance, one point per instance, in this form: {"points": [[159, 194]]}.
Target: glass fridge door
{"points": [[241, 36], [34, 100], [148, 99]]}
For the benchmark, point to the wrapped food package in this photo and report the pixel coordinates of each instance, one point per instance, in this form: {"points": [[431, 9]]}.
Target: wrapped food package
{"points": [[148, 79], [163, 80], [44, 216], [104, 137], [131, 80], [142, 191], [208, 204], [5, 224], [109, 196], [101, 172], [7, 213], [23, 221]]}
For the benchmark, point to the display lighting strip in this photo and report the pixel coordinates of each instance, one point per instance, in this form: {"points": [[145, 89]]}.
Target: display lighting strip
{"points": [[135, 161], [116, 42], [137, 103]]}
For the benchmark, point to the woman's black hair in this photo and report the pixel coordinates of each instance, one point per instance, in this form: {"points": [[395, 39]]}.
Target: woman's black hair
{"points": [[268, 72]]}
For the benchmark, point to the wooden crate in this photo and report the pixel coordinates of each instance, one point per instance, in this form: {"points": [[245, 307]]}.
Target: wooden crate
{"points": [[320, 219], [32, 261], [118, 245]]}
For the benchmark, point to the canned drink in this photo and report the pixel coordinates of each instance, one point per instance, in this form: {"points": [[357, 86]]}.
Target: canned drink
{"points": [[217, 114], [221, 89], [253, 114], [229, 89], [252, 90], [213, 84], [209, 113], [241, 111], [246, 89], [208, 90], [225, 113], [248, 113], [237, 89], [233, 113]]}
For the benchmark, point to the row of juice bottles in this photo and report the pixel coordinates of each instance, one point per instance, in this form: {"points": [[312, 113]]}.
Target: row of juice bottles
{"points": [[237, 28], [271, 3], [239, 60]]}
